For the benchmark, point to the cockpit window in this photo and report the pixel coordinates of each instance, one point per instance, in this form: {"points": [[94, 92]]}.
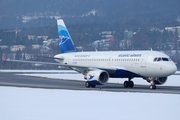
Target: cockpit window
{"points": [[165, 59], [155, 59], [161, 59]]}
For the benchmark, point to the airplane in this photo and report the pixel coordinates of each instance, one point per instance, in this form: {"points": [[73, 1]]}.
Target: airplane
{"points": [[98, 66]]}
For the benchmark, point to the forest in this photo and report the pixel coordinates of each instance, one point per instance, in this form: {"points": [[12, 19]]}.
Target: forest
{"points": [[85, 21], [84, 34]]}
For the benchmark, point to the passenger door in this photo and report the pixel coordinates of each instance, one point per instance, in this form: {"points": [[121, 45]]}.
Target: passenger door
{"points": [[143, 60]]}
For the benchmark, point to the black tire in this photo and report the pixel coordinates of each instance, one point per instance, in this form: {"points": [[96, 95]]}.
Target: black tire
{"points": [[131, 84], [87, 84], [126, 84], [152, 87]]}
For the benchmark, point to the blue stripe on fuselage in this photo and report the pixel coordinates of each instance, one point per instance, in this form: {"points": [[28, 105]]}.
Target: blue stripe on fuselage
{"points": [[124, 74]]}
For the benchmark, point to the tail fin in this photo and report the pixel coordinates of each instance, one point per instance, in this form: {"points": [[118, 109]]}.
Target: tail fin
{"points": [[65, 42]]}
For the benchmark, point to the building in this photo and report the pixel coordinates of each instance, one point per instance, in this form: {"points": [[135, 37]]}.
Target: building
{"points": [[31, 37], [4, 46], [173, 29], [108, 37], [15, 48], [102, 44], [128, 34]]}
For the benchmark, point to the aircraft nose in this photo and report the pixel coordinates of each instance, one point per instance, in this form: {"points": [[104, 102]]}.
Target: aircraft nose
{"points": [[172, 69]]}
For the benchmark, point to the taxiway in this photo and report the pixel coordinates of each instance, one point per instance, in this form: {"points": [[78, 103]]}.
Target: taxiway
{"points": [[10, 79]]}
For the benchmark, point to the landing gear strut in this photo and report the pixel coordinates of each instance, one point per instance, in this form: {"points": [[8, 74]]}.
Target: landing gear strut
{"points": [[88, 84], [152, 86], [129, 83]]}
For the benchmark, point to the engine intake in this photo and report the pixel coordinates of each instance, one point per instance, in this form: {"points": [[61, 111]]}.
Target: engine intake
{"points": [[158, 81], [97, 77]]}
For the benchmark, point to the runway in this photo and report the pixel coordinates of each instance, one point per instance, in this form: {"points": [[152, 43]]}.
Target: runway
{"points": [[10, 79]]}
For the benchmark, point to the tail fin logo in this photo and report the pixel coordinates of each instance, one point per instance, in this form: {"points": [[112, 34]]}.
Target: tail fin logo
{"points": [[64, 39], [65, 42], [61, 37]]}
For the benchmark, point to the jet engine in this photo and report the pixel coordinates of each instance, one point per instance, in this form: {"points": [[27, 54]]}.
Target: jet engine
{"points": [[159, 81], [97, 77]]}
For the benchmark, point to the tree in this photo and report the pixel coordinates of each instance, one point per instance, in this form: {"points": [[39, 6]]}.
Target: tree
{"points": [[0, 56], [18, 55]]}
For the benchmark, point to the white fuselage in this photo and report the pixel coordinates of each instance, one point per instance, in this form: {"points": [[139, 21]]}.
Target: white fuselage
{"points": [[139, 62]]}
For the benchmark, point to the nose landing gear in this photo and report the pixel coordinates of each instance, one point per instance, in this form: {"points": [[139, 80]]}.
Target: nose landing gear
{"points": [[152, 86]]}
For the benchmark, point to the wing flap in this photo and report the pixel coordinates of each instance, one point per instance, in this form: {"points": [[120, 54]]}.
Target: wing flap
{"points": [[51, 57], [85, 69], [32, 62]]}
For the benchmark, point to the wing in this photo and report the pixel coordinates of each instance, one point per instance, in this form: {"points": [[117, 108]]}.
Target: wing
{"points": [[78, 68], [33, 62], [84, 69]]}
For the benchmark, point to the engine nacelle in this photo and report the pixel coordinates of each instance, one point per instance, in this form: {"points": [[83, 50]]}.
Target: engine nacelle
{"points": [[98, 77], [159, 81]]}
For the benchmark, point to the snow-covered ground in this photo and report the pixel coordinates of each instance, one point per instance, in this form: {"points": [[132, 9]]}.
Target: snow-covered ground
{"points": [[44, 104], [51, 104]]}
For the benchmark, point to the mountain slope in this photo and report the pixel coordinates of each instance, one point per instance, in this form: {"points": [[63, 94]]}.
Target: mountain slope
{"points": [[33, 13]]}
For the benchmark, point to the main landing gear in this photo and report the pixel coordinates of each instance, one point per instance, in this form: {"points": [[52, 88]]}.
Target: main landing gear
{"points": [[129, 83], [89, 84]]}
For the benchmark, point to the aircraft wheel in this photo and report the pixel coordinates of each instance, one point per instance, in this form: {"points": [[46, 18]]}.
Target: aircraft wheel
{"points": [[126, 84], [87, 84], [152, 87], [131, 84]]}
